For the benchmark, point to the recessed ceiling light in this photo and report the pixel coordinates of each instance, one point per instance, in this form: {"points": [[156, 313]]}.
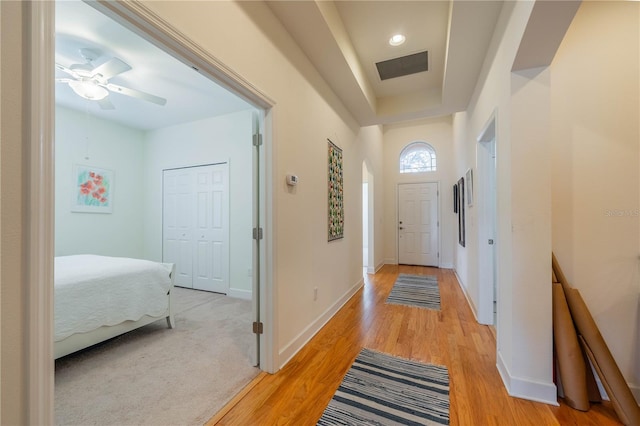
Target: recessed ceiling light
{"points": [[397, 40]]}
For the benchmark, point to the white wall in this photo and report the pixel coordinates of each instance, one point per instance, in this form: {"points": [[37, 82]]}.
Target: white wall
{"points": [[305, 114], [523, 208], [86, 140], [225, 138], [438, 133], [595, 106]]}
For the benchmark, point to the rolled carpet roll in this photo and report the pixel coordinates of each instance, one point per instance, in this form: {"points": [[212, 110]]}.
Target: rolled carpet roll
{"points": [[598, 352], [571, 366]]}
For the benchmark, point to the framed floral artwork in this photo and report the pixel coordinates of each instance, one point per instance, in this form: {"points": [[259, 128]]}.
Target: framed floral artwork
{"points": [[92, 190], [336, 201]]}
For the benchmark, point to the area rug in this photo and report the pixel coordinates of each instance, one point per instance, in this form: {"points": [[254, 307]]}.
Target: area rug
{"points": [[161, 376], [380, 389], [416, 290]]}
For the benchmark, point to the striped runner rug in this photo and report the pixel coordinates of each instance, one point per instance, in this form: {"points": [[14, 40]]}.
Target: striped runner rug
{"points": [[380, 389], [416, 290]]}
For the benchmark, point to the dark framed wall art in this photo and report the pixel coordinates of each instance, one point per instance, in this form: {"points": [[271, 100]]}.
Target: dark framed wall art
{"points": [[336, 193], [461, 212], [455, 198]]}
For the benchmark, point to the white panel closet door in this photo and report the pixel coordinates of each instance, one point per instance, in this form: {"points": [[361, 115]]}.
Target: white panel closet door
{"points": [[211, 262], [196, 226], [177, 225]]}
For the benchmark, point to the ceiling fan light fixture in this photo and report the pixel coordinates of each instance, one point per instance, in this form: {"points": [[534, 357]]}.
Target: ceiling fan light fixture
{"points": [[89, 89], [397, 40]]}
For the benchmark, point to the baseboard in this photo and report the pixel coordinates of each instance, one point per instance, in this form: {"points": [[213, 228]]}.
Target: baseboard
{"points": [[466, 296], [379, 266], [635, 389], [303, 338], [546, 393], [446, 266], [240, 294], [390, 261]]}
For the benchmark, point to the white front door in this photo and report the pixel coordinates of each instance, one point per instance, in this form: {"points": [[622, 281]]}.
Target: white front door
{"points": [[196, 226], [418, 224]]}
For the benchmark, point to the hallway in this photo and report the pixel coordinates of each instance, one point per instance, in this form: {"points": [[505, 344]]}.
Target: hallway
{"points": [[298, 394]]}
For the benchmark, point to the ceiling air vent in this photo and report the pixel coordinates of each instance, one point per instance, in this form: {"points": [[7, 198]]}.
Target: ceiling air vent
{"points": [[404, 65]]}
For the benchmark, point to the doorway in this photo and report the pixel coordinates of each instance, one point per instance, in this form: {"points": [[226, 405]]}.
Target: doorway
{"points": [[41, 19], [418, 236], [487, 260], [368, 255]]}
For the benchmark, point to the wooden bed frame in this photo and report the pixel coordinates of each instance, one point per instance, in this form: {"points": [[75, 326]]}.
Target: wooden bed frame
{"points": [[79, 341]]}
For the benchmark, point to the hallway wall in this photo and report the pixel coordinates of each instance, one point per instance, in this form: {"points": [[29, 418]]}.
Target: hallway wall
{"points": [[523, 237], [595, 105]]}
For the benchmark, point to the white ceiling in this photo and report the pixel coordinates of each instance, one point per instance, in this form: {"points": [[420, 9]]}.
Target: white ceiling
{"points": [[343, 39], [190, 96], [370, 27]]}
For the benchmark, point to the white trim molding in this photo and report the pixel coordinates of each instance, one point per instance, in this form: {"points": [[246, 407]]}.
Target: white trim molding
{"points": [[307, 334], [240, 293], [466, 296], [635, 389], [40, 213], [139, 18], [518, 387]]}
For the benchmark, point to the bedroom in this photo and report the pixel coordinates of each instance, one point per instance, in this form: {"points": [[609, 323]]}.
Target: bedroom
{"points": [[136, 153]]}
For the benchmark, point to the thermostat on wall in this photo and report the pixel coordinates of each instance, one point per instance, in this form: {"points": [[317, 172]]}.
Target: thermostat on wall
{"points": [[292, 180]]}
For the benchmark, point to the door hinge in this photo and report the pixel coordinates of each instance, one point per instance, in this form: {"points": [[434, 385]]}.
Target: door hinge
{"points": [[438, 255], [258, 328], [257, 233], [257, 139]]}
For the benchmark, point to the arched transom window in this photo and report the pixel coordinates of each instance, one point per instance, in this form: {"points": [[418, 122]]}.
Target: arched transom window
{"points": [[418, 157]]}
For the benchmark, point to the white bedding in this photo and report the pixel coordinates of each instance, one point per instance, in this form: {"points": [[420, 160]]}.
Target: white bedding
{"points": [[92, 291]]}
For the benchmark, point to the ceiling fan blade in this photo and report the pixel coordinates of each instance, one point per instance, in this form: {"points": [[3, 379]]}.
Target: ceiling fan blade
{"points": [[113, 66], [67, 70], [136, 94], [105, 103]]}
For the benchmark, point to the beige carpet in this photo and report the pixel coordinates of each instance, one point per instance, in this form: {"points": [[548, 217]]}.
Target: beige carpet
{"points": [[160, 376]]}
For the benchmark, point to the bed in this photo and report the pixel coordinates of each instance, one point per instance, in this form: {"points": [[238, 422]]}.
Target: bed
{"points": [[100, 297]]}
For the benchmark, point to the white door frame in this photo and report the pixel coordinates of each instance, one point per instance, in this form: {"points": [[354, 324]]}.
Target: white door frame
{"points": [[40, 24], [397, 231], [371, 260], [487, 259]]}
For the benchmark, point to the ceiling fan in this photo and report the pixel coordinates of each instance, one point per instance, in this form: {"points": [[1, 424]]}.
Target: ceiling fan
{"points": [[92, 82]]}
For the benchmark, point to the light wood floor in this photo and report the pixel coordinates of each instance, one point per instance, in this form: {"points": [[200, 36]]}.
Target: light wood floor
{"points": [[298, 394]]}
